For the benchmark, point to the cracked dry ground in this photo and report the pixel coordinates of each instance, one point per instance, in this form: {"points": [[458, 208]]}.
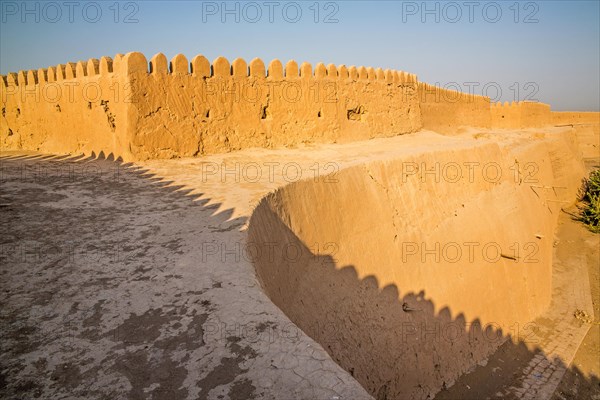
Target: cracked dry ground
{"points": [[105, 292], [99, 298]]}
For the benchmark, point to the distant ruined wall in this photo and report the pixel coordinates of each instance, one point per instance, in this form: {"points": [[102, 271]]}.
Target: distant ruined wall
{"points": [[140, 109], [446, 111], [570, 117], [519, 115]]}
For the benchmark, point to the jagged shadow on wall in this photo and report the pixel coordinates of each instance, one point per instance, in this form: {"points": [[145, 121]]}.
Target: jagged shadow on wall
{"points": [[394, 343]]}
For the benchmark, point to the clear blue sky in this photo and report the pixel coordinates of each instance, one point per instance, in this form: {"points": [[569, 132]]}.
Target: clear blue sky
{"points": [[543, 50]]}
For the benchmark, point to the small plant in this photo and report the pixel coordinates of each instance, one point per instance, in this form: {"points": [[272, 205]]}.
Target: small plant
{"points": [[590, 213]]}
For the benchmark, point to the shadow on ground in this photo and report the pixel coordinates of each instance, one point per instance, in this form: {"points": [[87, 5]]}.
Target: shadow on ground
{"points": [[97, 296]]}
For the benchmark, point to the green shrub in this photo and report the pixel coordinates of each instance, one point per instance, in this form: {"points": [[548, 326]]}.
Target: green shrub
{"points": [[590, 213]]}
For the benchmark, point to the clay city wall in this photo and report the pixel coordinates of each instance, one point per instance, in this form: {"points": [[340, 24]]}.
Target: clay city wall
{"points": [[158, 109], [143, 109]]}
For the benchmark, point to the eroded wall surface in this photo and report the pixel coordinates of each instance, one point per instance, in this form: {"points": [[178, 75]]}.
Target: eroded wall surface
{"points": [[185, 113]]}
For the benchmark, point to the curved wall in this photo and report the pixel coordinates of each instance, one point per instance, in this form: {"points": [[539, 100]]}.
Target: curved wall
{"points": [[368, 266]]}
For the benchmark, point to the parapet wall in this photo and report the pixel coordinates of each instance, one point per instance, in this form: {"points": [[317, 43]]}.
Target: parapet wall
{"points": [[159, 109], [203, 109]]}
